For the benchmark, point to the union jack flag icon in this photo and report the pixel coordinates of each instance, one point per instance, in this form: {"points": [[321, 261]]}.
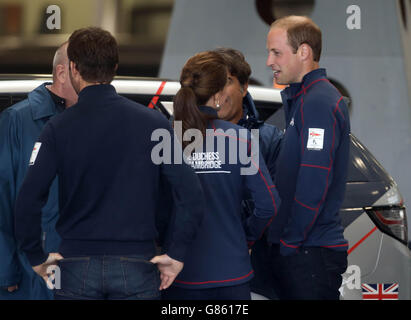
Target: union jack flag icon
{"points": [[379, 291]]}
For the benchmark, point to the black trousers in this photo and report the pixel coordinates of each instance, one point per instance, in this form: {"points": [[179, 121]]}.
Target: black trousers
{"points": [[314, 273]]}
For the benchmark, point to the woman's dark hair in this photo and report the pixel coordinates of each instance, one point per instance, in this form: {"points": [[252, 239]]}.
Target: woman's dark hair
{"points": [[236, 63], [202, 76], [95, 53]]}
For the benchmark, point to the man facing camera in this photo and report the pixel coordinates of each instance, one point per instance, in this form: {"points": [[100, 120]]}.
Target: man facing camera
{"points": [[312, 165]]}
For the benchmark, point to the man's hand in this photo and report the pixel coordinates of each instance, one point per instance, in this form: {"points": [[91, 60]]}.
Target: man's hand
{"points": [[41, 269], [169, 269]]}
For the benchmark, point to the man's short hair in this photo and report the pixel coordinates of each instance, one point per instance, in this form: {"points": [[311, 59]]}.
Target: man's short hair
{"points": [[60, 57], [95, 53], [301, 30], [236, 64]]}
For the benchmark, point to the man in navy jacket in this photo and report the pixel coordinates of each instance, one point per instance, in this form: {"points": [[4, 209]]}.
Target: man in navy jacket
{"points": [[20, 126], [100, 149], [312, 165]]}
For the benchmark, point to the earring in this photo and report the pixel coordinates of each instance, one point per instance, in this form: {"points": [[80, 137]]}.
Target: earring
{"points": [[217, 106]]}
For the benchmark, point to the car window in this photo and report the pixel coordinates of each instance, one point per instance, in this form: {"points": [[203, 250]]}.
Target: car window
{"points": [[7, 100], [275, 116], [267, 109]]}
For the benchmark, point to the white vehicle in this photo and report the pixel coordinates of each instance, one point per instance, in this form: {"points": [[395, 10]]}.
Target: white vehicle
{"points": [[373, 213]]}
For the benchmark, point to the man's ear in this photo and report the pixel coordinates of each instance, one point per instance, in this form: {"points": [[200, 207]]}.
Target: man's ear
{"points": [[305, 51], [244, 89], [61, 73]]}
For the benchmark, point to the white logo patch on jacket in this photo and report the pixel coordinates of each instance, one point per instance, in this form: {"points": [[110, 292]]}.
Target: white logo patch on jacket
{"points": [[35, 152], [315, 139]]}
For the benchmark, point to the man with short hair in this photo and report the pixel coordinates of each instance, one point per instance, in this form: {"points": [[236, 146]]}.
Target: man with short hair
{"points": [[20, 126], [312, 165], [240, 109], [108, 186]]}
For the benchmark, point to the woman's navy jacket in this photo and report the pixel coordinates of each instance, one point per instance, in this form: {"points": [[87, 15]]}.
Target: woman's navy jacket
{"points": [[219, 254]]}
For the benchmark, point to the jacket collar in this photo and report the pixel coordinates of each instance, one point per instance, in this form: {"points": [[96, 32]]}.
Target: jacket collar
{"points": [[250, 119], [249, 109], [41, 103], [316, 74], [295, 89], [96, 92]]}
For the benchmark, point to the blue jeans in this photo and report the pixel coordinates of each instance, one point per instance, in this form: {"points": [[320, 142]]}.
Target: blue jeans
{"points": [[312, 274], [131, 277], [238, 292]]}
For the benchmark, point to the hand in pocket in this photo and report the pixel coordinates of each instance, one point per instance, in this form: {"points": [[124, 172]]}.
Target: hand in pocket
{"points": [[169, 269]]}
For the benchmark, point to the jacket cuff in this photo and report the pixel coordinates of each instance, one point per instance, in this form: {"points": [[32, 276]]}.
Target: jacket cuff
{"points": [[177, 253], [52, 241], [37, 257]]}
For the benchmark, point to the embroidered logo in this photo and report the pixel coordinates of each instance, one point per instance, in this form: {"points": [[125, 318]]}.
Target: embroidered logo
{"points": [[315, 139]]}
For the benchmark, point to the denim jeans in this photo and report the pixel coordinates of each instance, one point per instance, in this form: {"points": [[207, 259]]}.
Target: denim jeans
{"points": [[131, 277], [237, 292], [312, 274]]}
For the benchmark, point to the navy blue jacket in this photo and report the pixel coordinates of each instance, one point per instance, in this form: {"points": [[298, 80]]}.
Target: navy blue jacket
{"points": [[20, 126], [312, 166], [101, 150], [219, 254]]}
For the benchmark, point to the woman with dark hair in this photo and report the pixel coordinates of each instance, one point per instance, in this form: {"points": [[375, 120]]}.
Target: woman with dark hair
{"points": [[217, 264]]}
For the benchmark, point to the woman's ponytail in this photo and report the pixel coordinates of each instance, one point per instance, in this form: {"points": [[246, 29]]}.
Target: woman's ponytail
{"points": [[202, 76], [186, 110]]}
